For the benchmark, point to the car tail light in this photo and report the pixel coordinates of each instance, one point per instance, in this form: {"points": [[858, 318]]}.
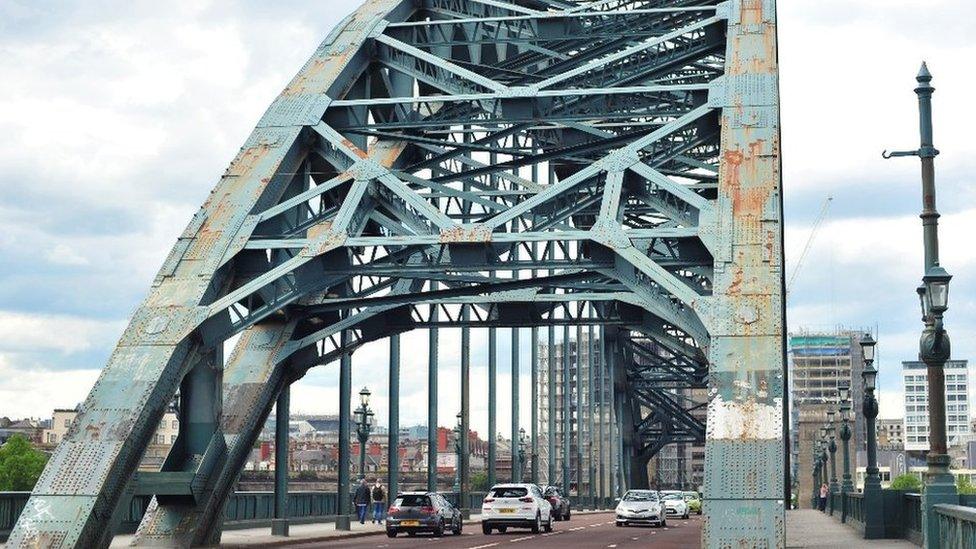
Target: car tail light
{"points": [[526, 500], [489, 500], [427, 510], [394, 510]]}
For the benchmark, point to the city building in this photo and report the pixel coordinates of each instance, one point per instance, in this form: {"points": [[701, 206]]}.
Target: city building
{"points": [[819, 363], [579, 369], [890, 433], [915, 378]]}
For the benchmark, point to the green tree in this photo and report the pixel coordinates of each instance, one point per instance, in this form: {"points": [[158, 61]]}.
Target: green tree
{"points": [[965, 486], [20, 465], [479, 482], [906, 482]]}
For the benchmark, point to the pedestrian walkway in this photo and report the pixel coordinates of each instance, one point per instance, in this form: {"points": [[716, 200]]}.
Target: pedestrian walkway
{"points": [[811, 528]]}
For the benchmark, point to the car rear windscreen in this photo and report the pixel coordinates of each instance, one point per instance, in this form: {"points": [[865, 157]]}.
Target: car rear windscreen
{"points": [[412, 501], [513, 492]]}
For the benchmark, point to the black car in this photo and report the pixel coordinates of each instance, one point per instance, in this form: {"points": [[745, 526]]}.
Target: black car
{"points": [[559, 502], [413, 512]]}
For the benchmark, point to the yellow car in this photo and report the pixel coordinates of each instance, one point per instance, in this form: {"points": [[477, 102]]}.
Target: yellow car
{"points": [[694, 502]]}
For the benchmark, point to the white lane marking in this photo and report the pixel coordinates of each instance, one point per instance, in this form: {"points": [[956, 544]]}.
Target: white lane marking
{"points": [[577, 528], [521, 539], [484, 546], [611, 546]]}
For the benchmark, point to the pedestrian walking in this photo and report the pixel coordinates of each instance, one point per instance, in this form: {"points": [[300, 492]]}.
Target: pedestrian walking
{"points": [[824, 491], [361, 499], [379, 501]]}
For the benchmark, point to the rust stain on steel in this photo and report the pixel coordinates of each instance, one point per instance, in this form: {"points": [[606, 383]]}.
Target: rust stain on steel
{"points": [[359, 152], [465, 234]]}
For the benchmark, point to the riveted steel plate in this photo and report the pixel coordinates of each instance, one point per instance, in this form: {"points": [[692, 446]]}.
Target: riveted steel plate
{"points": [[737, 524], [745, 469]]}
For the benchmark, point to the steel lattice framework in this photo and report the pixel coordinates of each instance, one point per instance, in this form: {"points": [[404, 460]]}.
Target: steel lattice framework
{"points": [[478, 163]]}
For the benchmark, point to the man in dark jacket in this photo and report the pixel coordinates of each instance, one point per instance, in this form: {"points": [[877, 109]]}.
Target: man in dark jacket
{"points": [[361, 499]]}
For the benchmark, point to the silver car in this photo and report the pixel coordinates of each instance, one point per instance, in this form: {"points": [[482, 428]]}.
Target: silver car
{"points": [[641, 507]]}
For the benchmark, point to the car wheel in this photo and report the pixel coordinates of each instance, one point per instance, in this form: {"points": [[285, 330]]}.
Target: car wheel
{"points": [[456, 528], [568, 513], [391, 533], [439, 529], [664, 523], [685, 516], [548, 526], [503, 529], [485, 529], [620, 525], [537, 527]]}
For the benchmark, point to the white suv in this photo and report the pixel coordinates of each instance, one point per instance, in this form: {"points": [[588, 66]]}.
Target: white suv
{"points": [[674, 504], [515, 505]]}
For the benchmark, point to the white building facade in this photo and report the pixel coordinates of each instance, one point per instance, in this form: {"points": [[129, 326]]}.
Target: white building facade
{"points": [[915, 378]]}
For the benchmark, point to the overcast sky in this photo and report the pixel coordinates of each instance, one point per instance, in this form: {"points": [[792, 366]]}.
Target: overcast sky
{"points": [[118, 118]]}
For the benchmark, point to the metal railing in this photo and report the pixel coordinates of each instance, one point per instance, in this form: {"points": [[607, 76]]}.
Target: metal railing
{"points": [[957, 526], [912, 516], [855, 509], [248, 509]]}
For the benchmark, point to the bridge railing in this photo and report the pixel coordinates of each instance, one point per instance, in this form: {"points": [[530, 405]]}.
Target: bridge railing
{"points": [[912, 518], [957, 525], [855, 509], [11, 505]]}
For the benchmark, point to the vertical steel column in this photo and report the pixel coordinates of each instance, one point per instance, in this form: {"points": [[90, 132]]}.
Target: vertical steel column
{"points": [[345, 411], [602, 407], [279, 524], [744, 436], [567, 412], [492, 398], [516, 457], [590, 393], [465, 407], [393, 446], [611, 427], [579, 411], [551, 402], [534, 431], [432, 400]]}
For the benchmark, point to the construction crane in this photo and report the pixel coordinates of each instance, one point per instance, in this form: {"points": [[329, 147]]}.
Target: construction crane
{"points": [[806, 247]]}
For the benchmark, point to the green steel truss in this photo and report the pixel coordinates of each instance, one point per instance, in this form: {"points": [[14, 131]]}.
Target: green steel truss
{"points": [[485, 163]]}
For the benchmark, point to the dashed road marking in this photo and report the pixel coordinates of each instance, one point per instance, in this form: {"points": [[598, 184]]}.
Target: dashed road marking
{"points": [[521, 539], [484, 546], [611, 546]]}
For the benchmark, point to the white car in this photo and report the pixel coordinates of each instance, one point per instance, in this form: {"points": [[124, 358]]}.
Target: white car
{"points": [[641, 507], [515, 505], [674, 504]]}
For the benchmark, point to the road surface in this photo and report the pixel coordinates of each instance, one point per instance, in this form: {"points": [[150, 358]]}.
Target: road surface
{"points": [[583, 531]]}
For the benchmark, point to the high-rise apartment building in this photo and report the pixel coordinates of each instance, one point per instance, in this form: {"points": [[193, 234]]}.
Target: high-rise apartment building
{"points": [[915, 377], [819, 363], [580, 361]]}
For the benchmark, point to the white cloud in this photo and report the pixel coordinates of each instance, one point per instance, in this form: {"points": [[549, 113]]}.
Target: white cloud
{"points": [[33, 393], [53, 333]]}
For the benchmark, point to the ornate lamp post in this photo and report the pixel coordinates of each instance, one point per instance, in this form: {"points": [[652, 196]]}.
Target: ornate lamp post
{"points": [[521, 453], [457, 451], [824, 477], [847, 485], [832, 446], [364, 425], [873, 511], [934, 348], [815, 491]]}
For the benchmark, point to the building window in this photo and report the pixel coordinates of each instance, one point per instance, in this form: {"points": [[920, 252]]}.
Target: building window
{"points": [[67, 422]]}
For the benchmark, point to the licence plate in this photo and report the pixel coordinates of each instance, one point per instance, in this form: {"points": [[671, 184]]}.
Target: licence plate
{"points": [[506, 510], [409, 523]]}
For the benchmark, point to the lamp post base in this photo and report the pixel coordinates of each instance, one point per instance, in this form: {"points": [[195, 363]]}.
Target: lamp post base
{"points": [[343, 523], [940, 488], [873, 508], [279, 527]]}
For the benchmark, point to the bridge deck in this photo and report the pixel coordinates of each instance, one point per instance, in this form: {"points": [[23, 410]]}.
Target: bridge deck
{"points": [[809, 528]]}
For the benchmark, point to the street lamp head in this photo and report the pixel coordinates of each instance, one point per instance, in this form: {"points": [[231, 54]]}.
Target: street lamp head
{"points": [[936, 281], [459, 420], [867, 347], [830, 418], [844, 391], [870, 377], [922, 301], [364, 397], [369, 418], [521, 433]]}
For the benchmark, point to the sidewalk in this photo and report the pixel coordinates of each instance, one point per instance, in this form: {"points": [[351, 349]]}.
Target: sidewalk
{"points": [[811, 528], [324, 532]]}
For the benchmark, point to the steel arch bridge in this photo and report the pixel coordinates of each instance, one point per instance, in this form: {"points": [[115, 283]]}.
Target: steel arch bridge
{"points": [[477, 163]]}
